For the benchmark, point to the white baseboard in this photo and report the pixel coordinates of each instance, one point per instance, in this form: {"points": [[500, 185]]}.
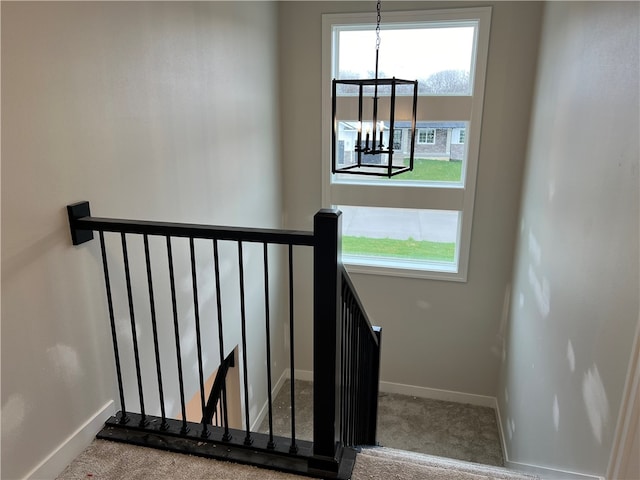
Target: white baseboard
{"points": [[265, 408], [306, 375], [545, 473], [420, 392], [72, 446], [438, 394]]}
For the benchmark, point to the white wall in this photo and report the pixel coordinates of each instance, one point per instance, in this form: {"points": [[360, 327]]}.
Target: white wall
{"points": [[436, 334], [574, 302], [148, 110]]}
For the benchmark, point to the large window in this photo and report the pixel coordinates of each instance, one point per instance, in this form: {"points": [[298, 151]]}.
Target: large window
{"points": [[417, 223]]}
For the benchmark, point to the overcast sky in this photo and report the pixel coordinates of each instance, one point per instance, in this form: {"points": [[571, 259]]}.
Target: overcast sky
{"points": [[406, 53]]}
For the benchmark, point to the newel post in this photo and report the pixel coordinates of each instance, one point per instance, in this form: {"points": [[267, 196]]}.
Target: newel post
{"points": [[326, 336]]}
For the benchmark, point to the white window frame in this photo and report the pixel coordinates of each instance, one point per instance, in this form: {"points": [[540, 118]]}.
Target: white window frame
{"points": [[426, 132], [437, 196], [456, 134]]}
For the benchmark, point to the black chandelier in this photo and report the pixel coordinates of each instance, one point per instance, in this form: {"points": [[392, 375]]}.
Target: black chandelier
{"points": [[366, 146]]}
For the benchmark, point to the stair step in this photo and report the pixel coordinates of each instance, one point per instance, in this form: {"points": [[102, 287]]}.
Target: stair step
{"points": [[412, 465]]}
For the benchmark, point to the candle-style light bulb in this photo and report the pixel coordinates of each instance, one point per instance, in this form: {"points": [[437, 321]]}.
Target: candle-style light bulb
{"points": [[368, 129]]}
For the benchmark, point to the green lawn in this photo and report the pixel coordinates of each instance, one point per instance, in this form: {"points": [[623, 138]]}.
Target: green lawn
{"points": [[433, 170], [423, 169], [388, 247]]}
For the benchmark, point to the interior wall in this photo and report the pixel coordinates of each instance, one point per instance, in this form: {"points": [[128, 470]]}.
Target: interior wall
{"points": [[574, 303], [436, 334], [149, 110]]}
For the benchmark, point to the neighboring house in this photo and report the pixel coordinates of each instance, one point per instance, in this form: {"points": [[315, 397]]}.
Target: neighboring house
{"points": [[434, 140]]}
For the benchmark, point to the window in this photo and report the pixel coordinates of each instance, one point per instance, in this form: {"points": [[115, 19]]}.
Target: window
{"points": [[397, 140], [458, 135], [417, 223], [427, 135]]}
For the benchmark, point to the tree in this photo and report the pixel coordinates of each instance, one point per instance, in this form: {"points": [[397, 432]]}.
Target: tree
{"points": [[446, 82]]}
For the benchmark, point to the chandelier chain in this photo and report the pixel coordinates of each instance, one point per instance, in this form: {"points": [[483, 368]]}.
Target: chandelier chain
{"points": [[378, 19], [377, 44]]}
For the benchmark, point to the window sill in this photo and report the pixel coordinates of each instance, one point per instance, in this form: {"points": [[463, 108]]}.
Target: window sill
{"points": [[405, 269]]}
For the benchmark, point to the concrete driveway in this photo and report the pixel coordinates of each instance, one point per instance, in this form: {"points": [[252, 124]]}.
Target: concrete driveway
{"points": [[401, 224]]}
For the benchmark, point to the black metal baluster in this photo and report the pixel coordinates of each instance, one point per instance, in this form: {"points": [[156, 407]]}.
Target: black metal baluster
{"points": [[349, 365], [368, 386], [360, 378], [354, 373], [363, 381], [347, 371], [134, 333], [247, 439], [226, 436], [350, 375], [361, 373], [366, 395], [270, 443], [375, 383], [354, 376], [354, 417], [343, 364], [176, 329], [152, 307], [215, 422], [196, 308], [294, 447], [105, 267]]}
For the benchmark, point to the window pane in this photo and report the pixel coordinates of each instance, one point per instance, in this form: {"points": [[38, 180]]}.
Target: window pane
{"points": [[418, 236], [439, 56], [440, 152]]}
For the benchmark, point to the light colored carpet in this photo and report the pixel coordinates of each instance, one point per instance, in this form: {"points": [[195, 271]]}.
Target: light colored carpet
{"points": [[465, 432], [434, 427], [105, 460], [389, 464]]}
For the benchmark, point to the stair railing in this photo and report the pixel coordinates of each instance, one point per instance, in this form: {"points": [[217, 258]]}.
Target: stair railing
{"points": [[345, 359], [360, 370], [216, 407]]}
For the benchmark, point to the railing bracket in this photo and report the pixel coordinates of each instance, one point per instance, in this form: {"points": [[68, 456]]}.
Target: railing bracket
{"points": [[76, 211]]}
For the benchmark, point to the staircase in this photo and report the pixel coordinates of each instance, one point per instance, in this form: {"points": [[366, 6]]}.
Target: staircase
{"points": [[399, 464]]}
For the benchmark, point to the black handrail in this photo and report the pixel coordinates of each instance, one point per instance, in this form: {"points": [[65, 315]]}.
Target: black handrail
{"points": [[215, 395], [190, 230], [350, 289]]}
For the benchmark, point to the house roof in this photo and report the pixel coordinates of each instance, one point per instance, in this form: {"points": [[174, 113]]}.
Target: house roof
{"points": [[354, 126]]}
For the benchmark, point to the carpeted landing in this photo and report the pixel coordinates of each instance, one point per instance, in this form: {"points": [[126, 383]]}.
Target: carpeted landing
{"points": [[106, 460], [435, 427], [416, 435]]}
